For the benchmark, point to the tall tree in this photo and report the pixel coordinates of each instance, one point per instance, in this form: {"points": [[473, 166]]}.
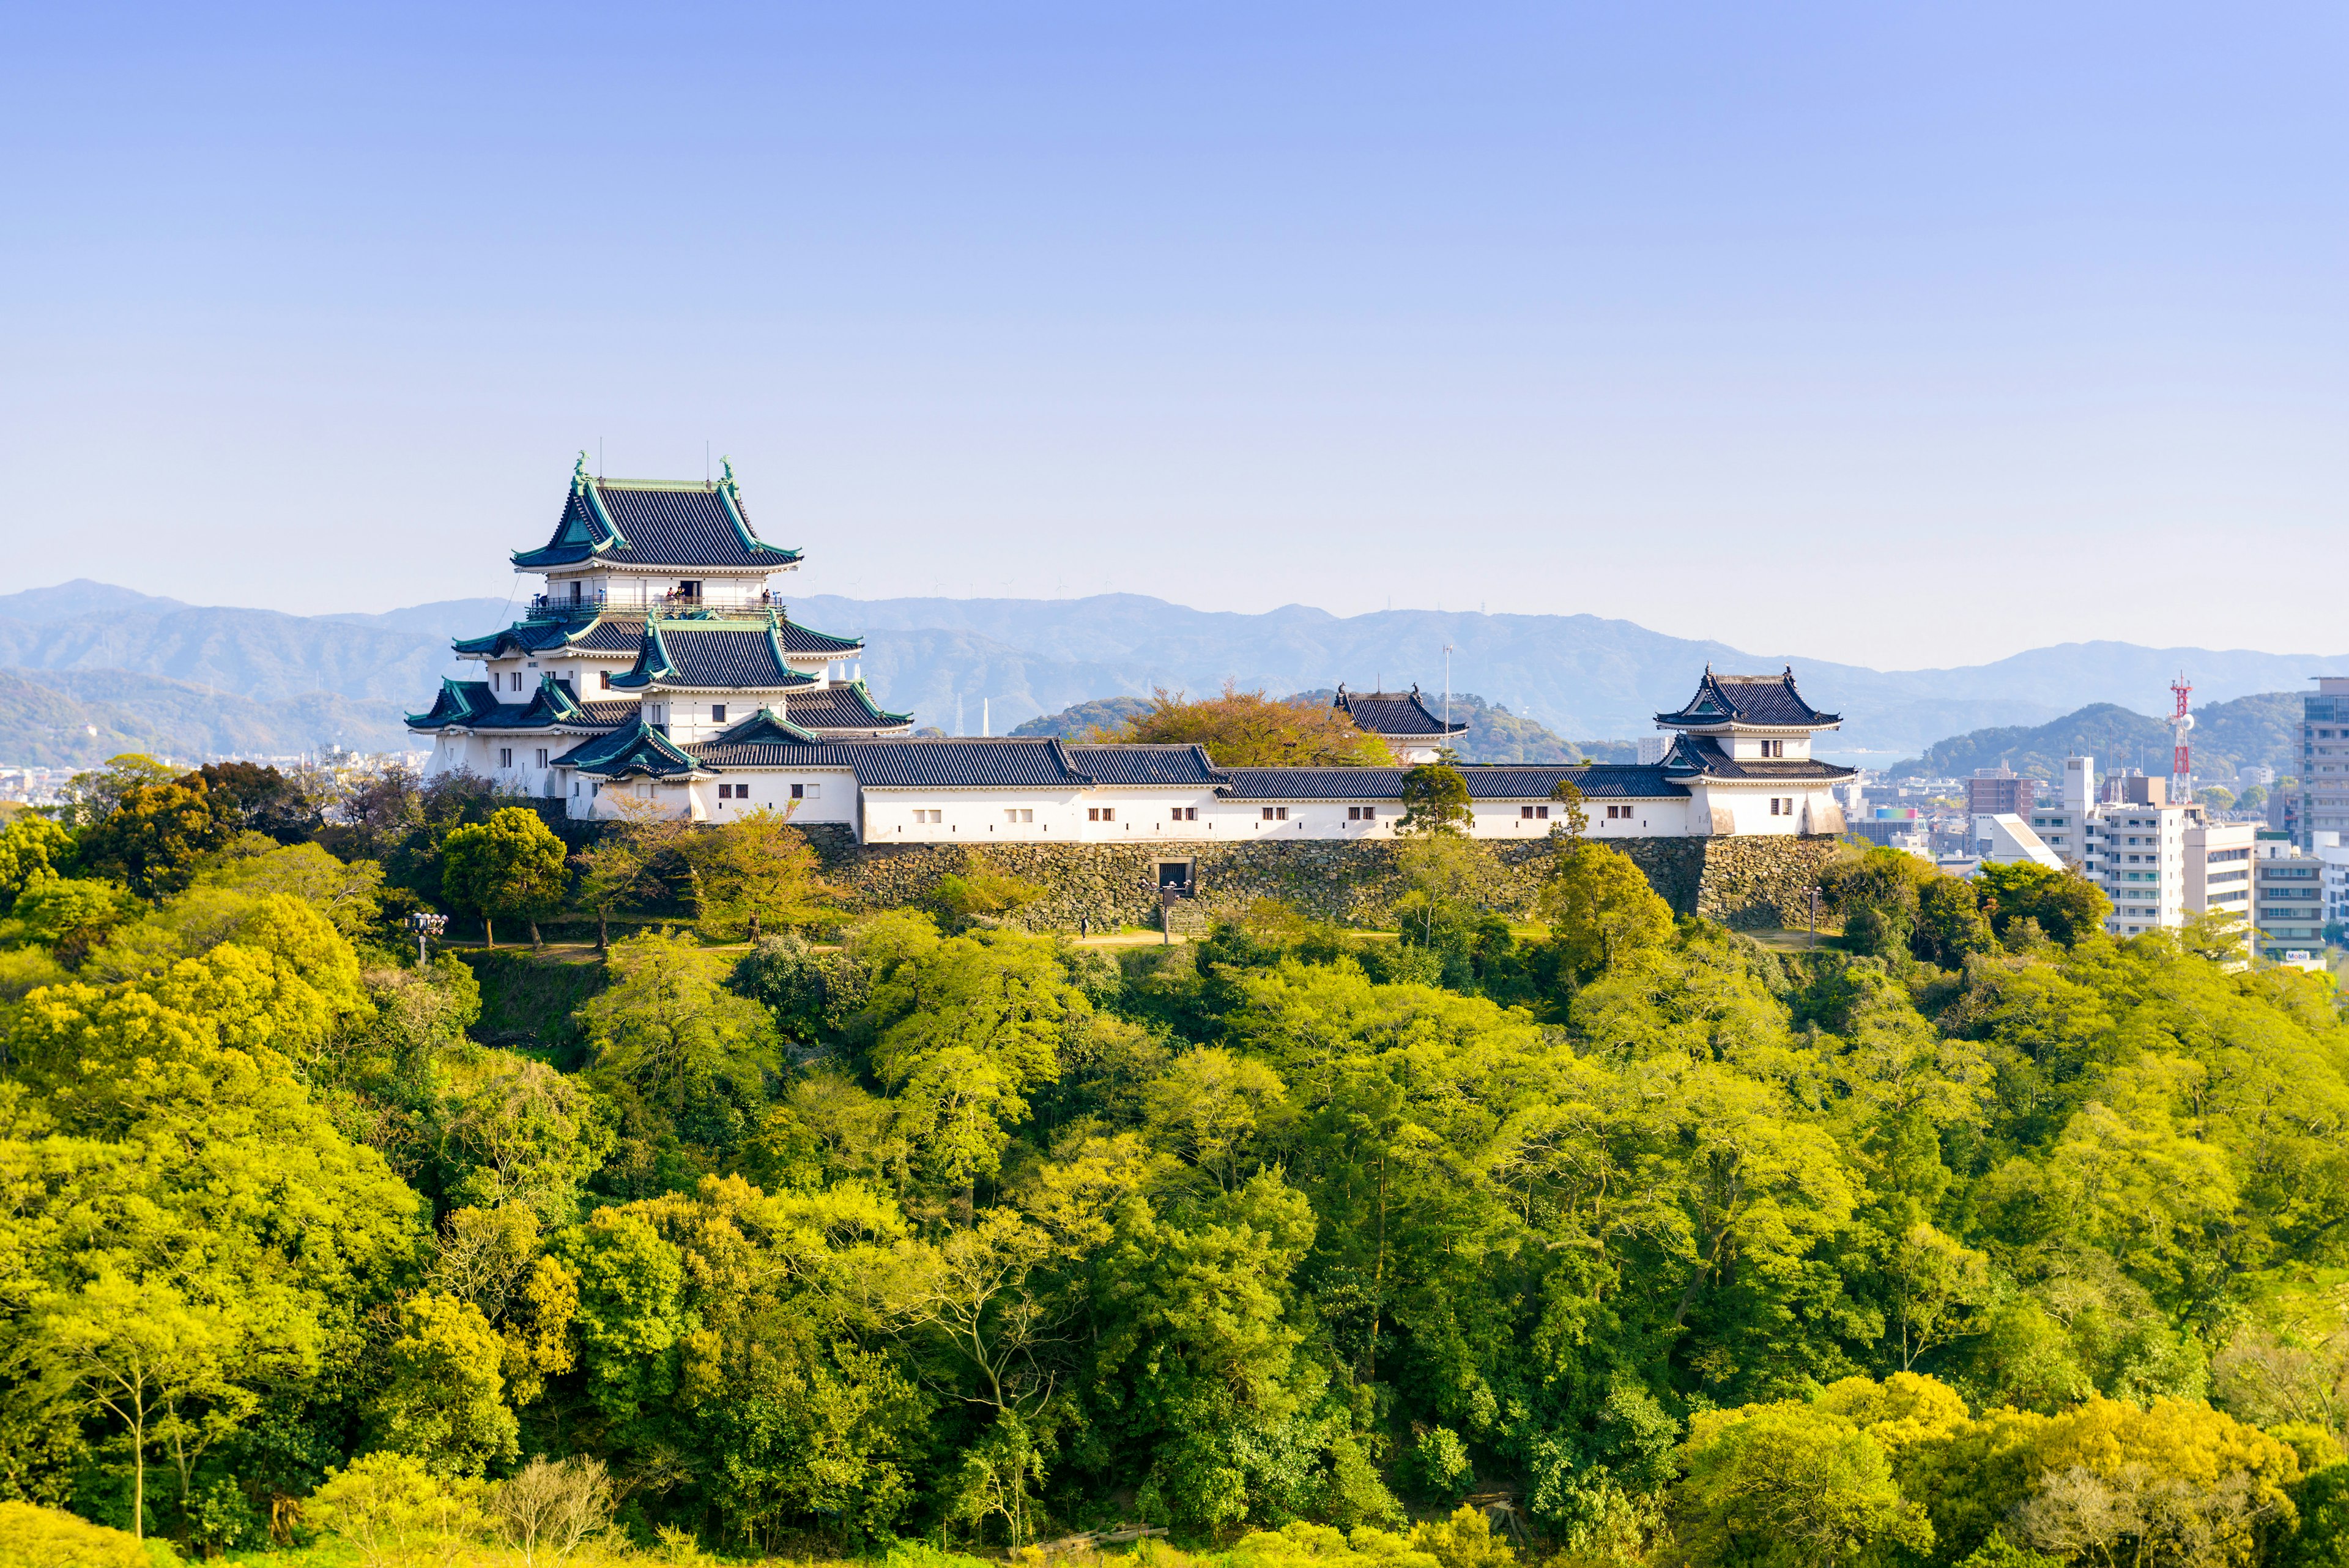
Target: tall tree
{"points": [[753, 874], [1435, 801], [510, 865]]}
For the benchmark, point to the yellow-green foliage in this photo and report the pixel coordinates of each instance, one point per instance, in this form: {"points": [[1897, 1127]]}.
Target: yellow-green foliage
{"points": [[33, 1537]]}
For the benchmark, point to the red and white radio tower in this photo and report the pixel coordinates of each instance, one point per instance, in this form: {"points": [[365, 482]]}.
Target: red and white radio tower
{"points": [[2181, 724]]}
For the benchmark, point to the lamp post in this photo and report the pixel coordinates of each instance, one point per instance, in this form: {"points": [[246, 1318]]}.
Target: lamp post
{"points": [[426, 924], [1813, 893]]}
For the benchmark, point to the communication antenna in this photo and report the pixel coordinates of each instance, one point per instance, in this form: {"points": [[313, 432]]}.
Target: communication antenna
{"points": [[2181, 724], [1447, 690]]}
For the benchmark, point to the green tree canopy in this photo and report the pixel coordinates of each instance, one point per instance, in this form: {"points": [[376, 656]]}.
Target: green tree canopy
{"points": [[510, 865]]}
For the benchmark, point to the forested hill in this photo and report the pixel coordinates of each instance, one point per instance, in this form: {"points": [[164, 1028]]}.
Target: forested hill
{"points": [[2260, 730], [78, 718], [1971, 1239]]}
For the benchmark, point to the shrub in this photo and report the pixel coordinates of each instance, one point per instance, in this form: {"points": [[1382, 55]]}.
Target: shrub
{"points": [[31, 1537]]}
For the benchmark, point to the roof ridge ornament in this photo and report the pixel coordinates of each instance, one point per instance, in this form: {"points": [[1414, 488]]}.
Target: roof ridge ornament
{"points": [[579, 473]]}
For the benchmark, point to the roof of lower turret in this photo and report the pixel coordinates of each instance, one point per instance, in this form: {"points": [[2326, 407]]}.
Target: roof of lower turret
{"points": [[469, 704], [457, 702], [712, 655], [634, 747], [1768, 699], [650, 522], [1400, 714], [1694, 755], [847, 706]]}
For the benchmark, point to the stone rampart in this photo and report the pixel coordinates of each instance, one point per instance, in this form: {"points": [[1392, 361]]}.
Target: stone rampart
{"points": [[1748, 883]]}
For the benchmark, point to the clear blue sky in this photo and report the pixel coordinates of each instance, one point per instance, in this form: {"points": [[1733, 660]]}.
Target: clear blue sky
{"points": [[1906, 334]]}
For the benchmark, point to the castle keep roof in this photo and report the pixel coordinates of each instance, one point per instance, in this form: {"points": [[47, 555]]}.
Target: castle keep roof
{"points": [[1760, 700], [654, 525]]}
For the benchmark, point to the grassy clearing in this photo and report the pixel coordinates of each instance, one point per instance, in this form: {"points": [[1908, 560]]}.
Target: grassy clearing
{"points": [[527, 998]]}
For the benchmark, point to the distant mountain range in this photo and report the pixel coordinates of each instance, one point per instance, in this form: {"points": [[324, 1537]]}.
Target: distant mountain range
{"points": [[2260, 729], [1576, 676]]}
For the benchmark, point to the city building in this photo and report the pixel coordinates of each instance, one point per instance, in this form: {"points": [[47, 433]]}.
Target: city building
{"points": [[2062, 823], [2219, 867], [2322, 799], [1993, 792], [2158, 862], [2288, 898], [2004, 837], [658, 665]]}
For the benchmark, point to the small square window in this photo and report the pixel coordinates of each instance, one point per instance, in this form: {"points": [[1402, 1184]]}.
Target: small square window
{"points": [[505, 756], [1527, 812], [1541, 812], [1281, 813], [541, 756], [604, 680], [717, 712]]}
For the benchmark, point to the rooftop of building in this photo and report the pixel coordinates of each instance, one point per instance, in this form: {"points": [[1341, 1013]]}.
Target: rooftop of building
{"points": [[1395, 715], [654, 525], [1766, 702]]}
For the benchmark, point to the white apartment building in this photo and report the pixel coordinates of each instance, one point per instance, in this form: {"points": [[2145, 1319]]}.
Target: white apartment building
{"points": [[2159, 863]]}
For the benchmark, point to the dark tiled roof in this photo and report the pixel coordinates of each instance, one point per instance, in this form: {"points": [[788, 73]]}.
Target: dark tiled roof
{"points": [[457, 702], [718, 656], [646, 523], [798, 638], [1597, 781], [549, 705], [1748, 699], [841, 707], [1702, 754], [612, 637], [764, 727], [606, 714], [1145, 765], [594, 636], [636, 747], [1040, 761], [785, 755], [1400, 714]]}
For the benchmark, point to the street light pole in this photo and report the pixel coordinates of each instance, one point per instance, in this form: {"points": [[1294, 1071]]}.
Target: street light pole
{"points": [[426, 924]]}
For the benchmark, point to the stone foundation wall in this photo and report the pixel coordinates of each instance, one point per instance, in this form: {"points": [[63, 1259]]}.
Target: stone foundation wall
{"points": [[1747, 883]]}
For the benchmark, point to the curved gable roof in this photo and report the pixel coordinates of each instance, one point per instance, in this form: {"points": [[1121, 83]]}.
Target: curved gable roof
{"points": [[654, 524], [1770, 700], [1395, 715]]}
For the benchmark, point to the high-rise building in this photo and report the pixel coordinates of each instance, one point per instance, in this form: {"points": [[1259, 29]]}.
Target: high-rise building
{"points": [[1999, 790], [2324, 795], [2158, 862], [2288, 898]]}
